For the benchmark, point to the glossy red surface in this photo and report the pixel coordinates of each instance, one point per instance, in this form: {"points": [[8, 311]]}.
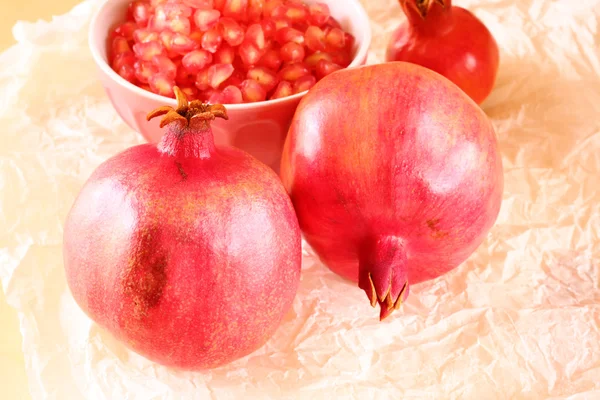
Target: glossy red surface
{"points": [[395, 176], [451, 41]]}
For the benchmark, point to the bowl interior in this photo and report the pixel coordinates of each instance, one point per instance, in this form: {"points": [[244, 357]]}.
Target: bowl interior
{"points": [[349, 13]]}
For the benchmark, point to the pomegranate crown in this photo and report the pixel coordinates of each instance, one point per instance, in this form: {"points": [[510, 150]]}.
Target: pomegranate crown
{"points": [[422, 6], [187, 112]]}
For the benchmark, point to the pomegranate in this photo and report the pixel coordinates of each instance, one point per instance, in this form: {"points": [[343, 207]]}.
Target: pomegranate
{"points": [[449, 40], [187, 253], [202, 46], [395, 176]]}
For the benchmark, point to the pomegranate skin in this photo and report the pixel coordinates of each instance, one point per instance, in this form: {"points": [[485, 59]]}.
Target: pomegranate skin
{"points": [[451, 41], [191, 260], [395, 176]]}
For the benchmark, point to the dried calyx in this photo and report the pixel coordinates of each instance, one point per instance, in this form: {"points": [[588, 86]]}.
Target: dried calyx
{"points": [[187, 112], [423, 6], [383, 273]]}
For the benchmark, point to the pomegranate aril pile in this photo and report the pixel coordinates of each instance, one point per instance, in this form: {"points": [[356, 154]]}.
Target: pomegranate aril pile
{"points": [[228, 51]]}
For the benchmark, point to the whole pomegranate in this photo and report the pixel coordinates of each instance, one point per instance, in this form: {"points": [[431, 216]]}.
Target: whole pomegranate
{"points": [[395, 176], [449, 40], [187, 253]]}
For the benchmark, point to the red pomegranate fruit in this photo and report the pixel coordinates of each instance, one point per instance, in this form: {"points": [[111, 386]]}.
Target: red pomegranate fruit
{"points": [[449, 40], [187, 253], [395, 176]]}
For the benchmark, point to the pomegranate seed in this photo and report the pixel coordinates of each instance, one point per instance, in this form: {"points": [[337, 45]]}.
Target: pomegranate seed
{"points": [[281, 23], [268, 27], [235, 8], [235, 79], [190, 92], [144, 35], [204, 95], [349, 39], [140, 12], [292, 52], [325, 68], [225, 55], [162, 85], [180, 24], [233, 95], [206, 19], [144, 70], [284, 89], [293, 71], [336, 38], [202, 80], [314, 58], [219, 4], [332, 22], [285, 35], [174, 9], [218, 73], [196, 36], [165, 66], [232, 32], [229, 95], [271, 60], [341, 58], [279, 12], [145, 51], [255, 9], [249, 54], [304, 83], [264, 77], [120, 45], [297, 13], [314, 38], [123, 58], [126, 30], [185, 77], [156, 3], [127, 72], [252, 91], [205, 4], [269, 6], [182, 44], [212, 40], [166, 39], [256, 36], [121, 63], [319, 14], [158, 22], [196, 60]]}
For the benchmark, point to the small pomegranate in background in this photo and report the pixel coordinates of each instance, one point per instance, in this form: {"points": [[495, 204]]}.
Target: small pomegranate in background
{"points": [[187, 253], [395, 176], [449, 40]]}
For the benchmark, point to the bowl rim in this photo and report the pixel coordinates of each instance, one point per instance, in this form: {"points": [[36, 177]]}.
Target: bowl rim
{"points": [[94, 27]]}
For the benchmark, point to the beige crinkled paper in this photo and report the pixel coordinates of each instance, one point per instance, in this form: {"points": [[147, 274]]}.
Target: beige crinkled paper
{"points": [[519, 320]]}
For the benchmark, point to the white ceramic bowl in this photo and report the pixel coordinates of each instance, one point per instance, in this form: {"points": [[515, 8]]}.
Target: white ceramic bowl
{"points": [[258, 128]]}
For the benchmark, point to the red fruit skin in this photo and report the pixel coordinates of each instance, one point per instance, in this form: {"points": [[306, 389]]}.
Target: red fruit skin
{"points": [[190, 260], [451, 41], [393, 171]]}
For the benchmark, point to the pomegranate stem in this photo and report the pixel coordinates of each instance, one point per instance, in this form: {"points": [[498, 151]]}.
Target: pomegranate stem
{"points": [[189, 131]]}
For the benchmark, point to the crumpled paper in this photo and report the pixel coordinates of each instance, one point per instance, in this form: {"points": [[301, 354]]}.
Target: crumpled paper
{"points": [[519, 320]]}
